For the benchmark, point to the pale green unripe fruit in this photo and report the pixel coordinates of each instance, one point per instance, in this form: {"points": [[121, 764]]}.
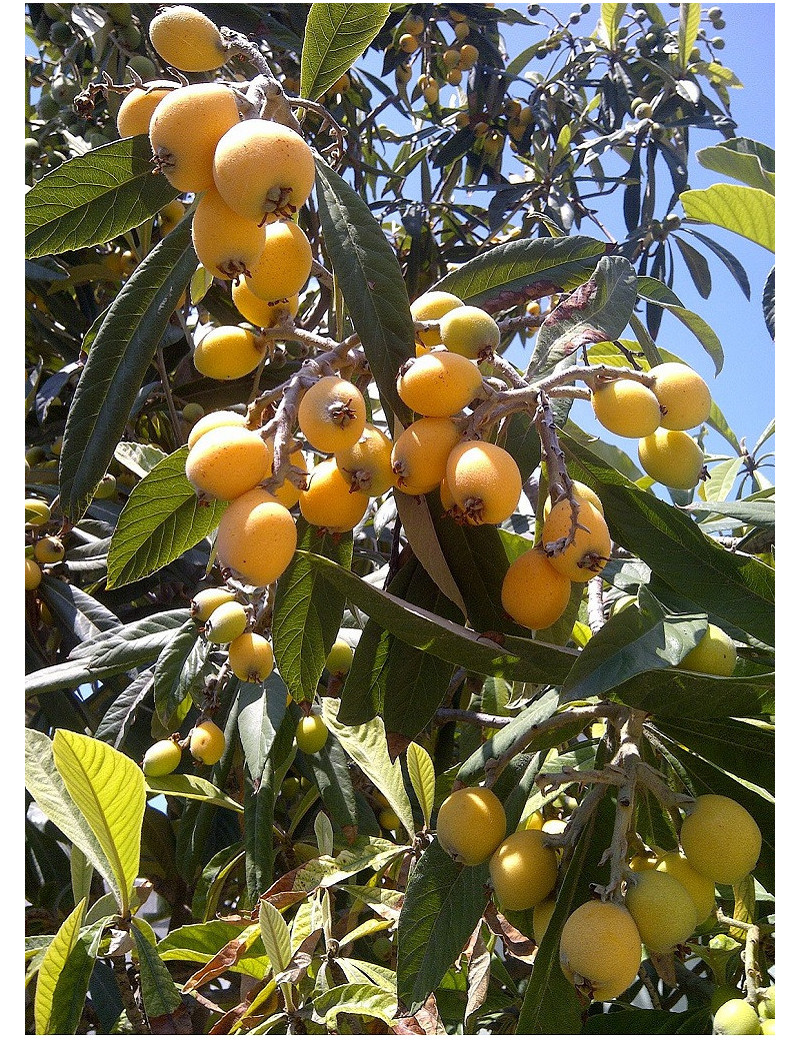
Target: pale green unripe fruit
{"points": [[250, 657], [311, 734], [768, 1027], [340, 657], [683, 396], [471, 824], [715, 654], [227, 621], [107, 488], [484, 480], [33, 575], [36, 512], [523, 870], [206, 602], [49, 550], [663, 910], [721, 839], [627, 408], [192, 411], [672, 458], [439, 384], [736, 1018], [601, 949], [701, 889], [766, 1006], [162, 758], [207, 743], [469, 331], [432, 306]]}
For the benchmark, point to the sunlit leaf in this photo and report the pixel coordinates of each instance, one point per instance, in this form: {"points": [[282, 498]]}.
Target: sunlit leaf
{"points": [[335, 36], [749, 212]]}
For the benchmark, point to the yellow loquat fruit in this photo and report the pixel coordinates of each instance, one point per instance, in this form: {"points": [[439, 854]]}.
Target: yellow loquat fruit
{"points": [[534, 593], [257, 537], [523, 870], [284, 265], [587, 553], [471, 824], [484, 480], [600, 949], [432, 306], [228, 352], [626, 407], [227, 244], [469, 331], [185, 129], [250, 657], [439, 384], [664, 912], [328, 501], [720, 839], [420, 453], [332, 414], [211, 421], [672, 458], [207, 743], [186, 39], [367, 464], [683, 396], [137, 110], [259, 312], [226, 462]]}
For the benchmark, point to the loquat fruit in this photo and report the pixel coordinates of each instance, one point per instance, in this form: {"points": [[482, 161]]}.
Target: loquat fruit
{"points": [[207, 743], [186, 39], [162, 758], [137, 110], [226, 462], [185, 129], [439, 384], [534, 593], [206, 601], [259, 312], [284, 265], [228, 352], [720, 839], [263, 170], [683, 396], [250, 657], [672, 458], [37, 512], [664, 912], [590, 548], [332, 414], [432, 306], [700, 888], [600, 949], [226, 623], [227, 244], [287, 493], [579, 490], [257, 537], [49, 550], [328, 501], [211, 421], [311, 734], [420, 453], [542, 913], [484, 480], [340, 657], [626, 407], [33, 575], [469, 331], [367, 464], [523, 870], [736, 1018], [471, 824], [715, 654]]}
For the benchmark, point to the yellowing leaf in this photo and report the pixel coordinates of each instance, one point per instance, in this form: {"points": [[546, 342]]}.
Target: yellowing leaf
{"points": [[109, 789], [52, 964], [749, 212], [423, 778]]}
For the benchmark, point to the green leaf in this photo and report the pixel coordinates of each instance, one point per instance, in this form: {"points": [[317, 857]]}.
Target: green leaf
{"points": [[598, 310], [688, 26], [48, 1006], [550, 1005], [653, 291], [423, 778], [161, 519], [678, 694], [335, 36], [638, 1022], [274, 935], [747, 511], [308, 611], [742, 159], [697, 266], [737, 588], [45, 783], [504, 272], [109, 789], [721, 479], [260, 712], [198, 943], [749, 212], [366, 1000], [742, 748], [95, 197], [169, 679], [117, 364], [329, 773], [444, 901], [186, 785], [366, 745], [642, 637], [610, 18], [160, 995], [371, 281], [522, 659]]}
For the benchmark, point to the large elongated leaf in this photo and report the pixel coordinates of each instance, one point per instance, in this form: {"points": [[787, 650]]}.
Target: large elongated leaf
{"points": [[655, 292], [48, 1014], [308, 611], [186, 785], [161, 520], [274, 935], [109, 789], [371, 281], [336, 35], [598, 310], [749, 212], [92, 198], [47, 786], [743, 749], [170, 676], [517, 658], [689, 23], [534, 266], [735, 587], [118, 361], [160, 995], [364, 999], [742, 159], [443, 903]]}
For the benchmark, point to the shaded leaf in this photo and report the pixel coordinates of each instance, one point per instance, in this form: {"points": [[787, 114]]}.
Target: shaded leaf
{"points": [[186, 785], [160, 995], [656, 293], [169, 689]]}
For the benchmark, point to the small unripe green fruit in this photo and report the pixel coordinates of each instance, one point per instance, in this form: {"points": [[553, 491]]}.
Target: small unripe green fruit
{"points": [[715, 654], [162, 758], [766, 1005], [107, 488], [192, 411], [471, 824], [207, 743], [339, 658], [36, 512], [33, 575], [311, 734], [721, 995], [226, 623], [736, 1018], [523, 870], [721, 839], [206, 602], [49, 550], [432, 306], [389, 820]]}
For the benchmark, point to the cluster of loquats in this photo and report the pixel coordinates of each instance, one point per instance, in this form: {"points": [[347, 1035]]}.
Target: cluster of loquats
{"points": [[658, 411], [668, 895], [445, 63]]}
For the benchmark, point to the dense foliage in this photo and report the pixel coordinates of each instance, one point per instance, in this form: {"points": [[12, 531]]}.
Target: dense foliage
{"points": [[234, 798]]}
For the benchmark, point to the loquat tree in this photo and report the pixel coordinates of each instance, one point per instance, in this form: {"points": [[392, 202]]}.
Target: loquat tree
{"points": [[399, 647]]}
